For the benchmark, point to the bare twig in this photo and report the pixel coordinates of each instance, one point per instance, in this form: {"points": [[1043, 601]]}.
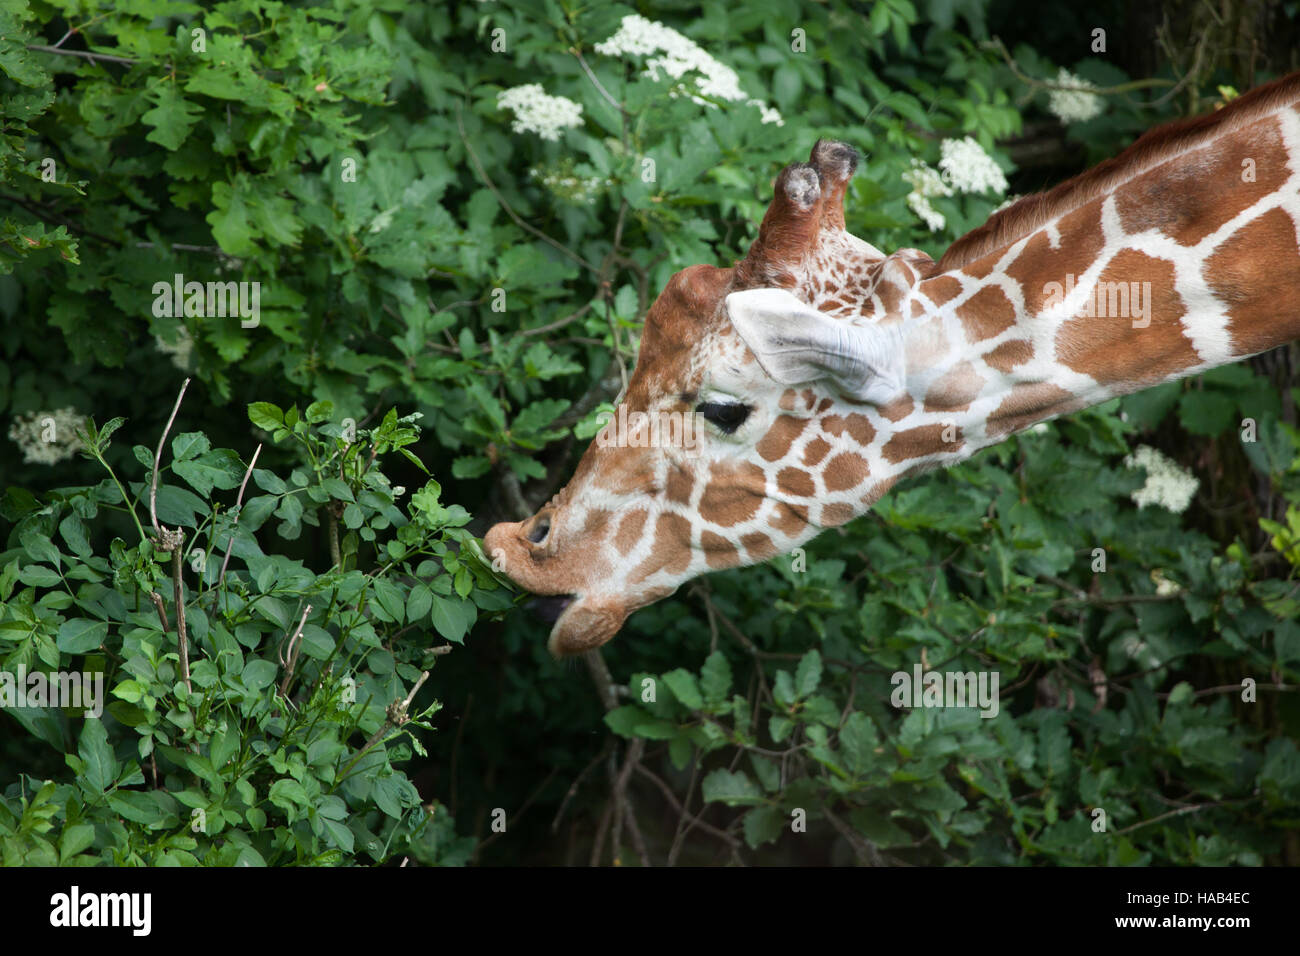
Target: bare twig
{"points": [[182, 638], [157, 460], [162, 611], [289, 657], [396, 718], [239, 501], [600, 87], [84, 54]]}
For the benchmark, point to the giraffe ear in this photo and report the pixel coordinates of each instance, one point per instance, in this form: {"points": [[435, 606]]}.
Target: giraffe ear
{"points": [[796, 344]]}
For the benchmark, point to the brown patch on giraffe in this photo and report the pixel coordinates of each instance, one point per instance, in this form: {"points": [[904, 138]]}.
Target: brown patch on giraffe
{"points": [[759, 545], [836, 514], [845, 471], [792, 481], [899, 408], [940, 289], [834, 425], [860, 429], [1258, 289], [775, 445], [671, 550], [787, 400], [680, 483], [1172, 198], [594, 525], [733, 495], [1028, 404], [920, 441], [815, 451], [1008, 355], [981, 268], [1039, 264], [1109, 348], [809, 398], [917, 309], [629, 531], [789, 519], [718, 551], [987, 313]]}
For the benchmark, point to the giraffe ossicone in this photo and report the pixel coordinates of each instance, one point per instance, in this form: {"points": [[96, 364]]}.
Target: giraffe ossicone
{"points": [[825, 371]]}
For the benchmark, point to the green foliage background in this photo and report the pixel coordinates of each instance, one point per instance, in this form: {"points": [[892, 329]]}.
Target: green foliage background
{"points": [[378, 295]]}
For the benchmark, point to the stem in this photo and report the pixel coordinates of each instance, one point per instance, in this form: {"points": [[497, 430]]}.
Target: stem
{"points": [[157, 459]]}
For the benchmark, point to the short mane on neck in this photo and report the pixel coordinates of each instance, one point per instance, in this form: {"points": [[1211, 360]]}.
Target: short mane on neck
{"points": [[1150, 150]]}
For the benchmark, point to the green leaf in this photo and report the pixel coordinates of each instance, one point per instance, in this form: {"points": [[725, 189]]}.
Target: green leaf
{"points": [[682, 683], [452, 618], [732, 788], [97, 757], [715, 678], [809, 674], [266, 416], [258, 674], [172, 118], [763, 825], [189, 445], [79, 635], [75, 838]]}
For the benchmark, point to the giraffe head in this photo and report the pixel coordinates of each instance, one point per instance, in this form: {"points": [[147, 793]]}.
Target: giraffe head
{"points": [[743, 430]]}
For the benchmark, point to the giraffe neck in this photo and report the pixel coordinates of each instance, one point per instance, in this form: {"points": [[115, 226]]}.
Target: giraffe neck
{"points": [[1181, 264]]}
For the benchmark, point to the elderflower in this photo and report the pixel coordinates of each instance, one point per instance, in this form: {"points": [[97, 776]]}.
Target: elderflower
{"points": [[567, 184], [926, 183], [1168, 485], [47, 438], [679, 55], [968, 169], [179, 350], [1076, 104], [537, 112]]}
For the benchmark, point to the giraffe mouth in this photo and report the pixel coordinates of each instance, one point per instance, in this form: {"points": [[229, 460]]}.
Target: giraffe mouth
{"points": [[549, 607]]}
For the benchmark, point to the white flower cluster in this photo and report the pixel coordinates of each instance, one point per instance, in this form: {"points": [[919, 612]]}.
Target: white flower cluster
{"points": [[968, 169], [537, 112], [926, 183], [679, 55], [1168, 485], [47, 438], [1076, 104], [569, 185], [179, 350], [963, 167], [1165, 585]]}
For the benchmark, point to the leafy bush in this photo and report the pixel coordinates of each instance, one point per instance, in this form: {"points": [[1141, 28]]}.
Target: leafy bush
{"points": [[248, 750], [419, 242]]}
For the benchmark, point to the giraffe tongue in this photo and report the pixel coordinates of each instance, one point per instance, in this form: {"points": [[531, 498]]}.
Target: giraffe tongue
{"points": [[549, 607]]}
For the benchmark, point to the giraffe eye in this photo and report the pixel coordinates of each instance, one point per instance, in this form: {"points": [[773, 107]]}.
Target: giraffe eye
{"points": [[726, 416]]}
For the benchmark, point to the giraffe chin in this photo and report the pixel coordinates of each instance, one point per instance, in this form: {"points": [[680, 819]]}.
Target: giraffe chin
{"points": [[585, 624]]}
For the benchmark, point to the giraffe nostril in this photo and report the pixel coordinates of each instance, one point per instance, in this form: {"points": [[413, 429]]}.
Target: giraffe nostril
{"points": [[541, 527]]}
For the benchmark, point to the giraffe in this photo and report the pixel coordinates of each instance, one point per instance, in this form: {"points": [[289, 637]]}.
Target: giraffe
{"points": [[821, 371]]}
